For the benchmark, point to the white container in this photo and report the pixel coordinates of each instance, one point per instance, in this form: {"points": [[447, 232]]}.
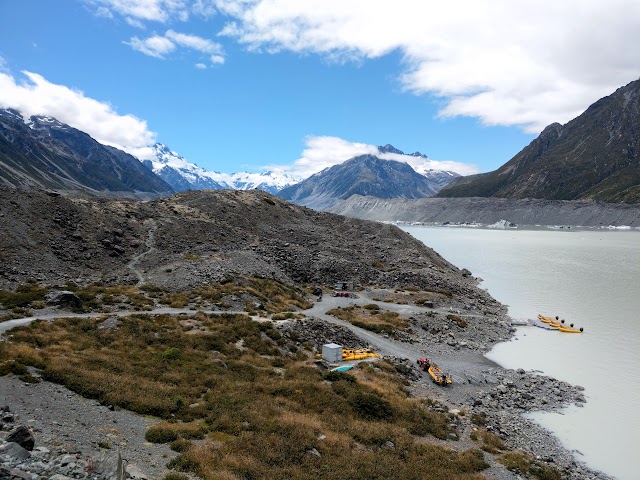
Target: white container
{"points": [[332, 353]]}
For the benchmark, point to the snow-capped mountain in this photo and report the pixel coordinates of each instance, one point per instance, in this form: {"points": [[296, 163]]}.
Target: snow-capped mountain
{"points": [[440, 178], [271, 181], [42, 152], [178, 172], [182, 175]]}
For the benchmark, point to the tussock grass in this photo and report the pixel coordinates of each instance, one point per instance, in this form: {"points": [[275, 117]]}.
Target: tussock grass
{"points": [[24, 296], [370, 318], [524, 463], [458, 320], [489, 442], [247, 419]]}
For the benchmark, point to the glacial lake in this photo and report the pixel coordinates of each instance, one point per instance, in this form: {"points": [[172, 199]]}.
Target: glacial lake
{"points": [[590, 278]]}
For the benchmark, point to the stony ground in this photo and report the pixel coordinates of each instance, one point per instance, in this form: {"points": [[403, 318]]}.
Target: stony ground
{"points": [[198, 237]]}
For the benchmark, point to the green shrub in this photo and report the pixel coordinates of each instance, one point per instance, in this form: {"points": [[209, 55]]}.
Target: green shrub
{"points": [[160, 434], [180, 445], [371, 407], [171, 353], [339, 376]]}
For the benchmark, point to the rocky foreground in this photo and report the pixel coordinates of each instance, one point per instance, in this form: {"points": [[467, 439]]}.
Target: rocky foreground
{"points": [[194, 239]]}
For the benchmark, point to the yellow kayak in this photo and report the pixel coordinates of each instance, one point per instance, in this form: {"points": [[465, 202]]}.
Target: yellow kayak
{"points": [[562, 328], [348, 354], [547, 319]]}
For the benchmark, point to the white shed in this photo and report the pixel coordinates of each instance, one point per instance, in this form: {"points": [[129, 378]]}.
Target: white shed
{"points": [[332, 352]]}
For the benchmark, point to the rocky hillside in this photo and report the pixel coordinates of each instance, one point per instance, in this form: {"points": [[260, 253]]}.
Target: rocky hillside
{"points": [[45, 153], [363, 175], [595, 156], [488, 211], [197, 237]]}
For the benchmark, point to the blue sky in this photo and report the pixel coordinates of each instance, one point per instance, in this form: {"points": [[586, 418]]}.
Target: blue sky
{"points": [[243, 85]]}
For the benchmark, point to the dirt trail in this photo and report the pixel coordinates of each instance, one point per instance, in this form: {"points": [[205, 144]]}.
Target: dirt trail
{"points": [[458, 362], [150, 243], [9, 324]]}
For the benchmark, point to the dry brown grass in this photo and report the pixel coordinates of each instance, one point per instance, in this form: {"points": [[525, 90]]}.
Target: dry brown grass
{"points": [[489, 442], [370, 319], [525, 464], [257, 421]]}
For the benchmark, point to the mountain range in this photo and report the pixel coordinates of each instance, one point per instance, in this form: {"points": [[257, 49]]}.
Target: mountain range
{"points": [[42, 152], [183, 175], [595, 156], [366, 175]]}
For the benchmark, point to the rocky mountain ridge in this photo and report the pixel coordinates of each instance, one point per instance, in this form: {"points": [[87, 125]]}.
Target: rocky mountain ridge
{"points": [[595, 156], [363, 175], [45, 153], [56, 239]]}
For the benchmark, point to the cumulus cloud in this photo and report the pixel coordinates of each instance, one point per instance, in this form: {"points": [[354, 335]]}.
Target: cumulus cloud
{"points": [[322, 152], [527, 63], [159, 46], [154, 46], [37, 96], [201, 66]]}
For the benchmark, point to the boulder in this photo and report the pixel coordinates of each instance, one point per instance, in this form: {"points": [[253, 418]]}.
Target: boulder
{"points": [[12, 450], [135, 473], [63, 298], [22, 436], [110, 467]]}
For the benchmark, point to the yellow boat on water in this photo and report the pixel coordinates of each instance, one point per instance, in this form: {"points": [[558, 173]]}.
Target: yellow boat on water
{"points": [[348, 354], [559, 324], [548, 320], [570, 329], [439, 376]]}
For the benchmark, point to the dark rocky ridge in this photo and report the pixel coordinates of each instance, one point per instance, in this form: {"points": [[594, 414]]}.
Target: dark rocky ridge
{"points": [[491, 210], [205, 236], [595, 156], [49, 154]]}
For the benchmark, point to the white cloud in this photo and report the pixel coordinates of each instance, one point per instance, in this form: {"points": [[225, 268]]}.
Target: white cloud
{"points": [[194, 42], [135, 23], [145, 10], [155, 46], [201, 66], [159, 46], [104, 12], [37, 96], [324, 151], [527, 63], [421, 164]]}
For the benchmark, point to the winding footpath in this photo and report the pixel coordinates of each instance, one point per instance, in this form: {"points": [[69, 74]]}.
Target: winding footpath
{"points": [[150, 242]]}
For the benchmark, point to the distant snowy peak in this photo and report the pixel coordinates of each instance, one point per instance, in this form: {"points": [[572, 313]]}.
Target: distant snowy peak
{"points": [[388, 148], [420, 165], [178, 172], [184, 175]]}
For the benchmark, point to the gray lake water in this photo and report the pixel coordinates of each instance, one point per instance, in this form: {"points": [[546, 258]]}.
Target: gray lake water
{"points": [[592, 279]]}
